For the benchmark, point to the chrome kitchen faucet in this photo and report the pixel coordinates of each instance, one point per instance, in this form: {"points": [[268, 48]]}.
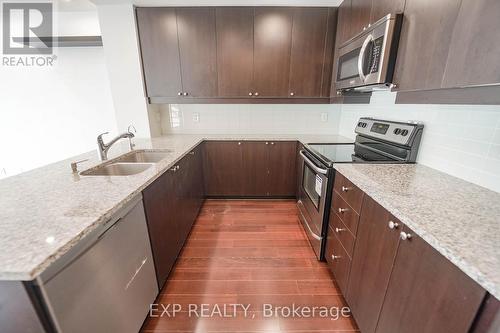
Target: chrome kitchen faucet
{"points": [[103, 148]]}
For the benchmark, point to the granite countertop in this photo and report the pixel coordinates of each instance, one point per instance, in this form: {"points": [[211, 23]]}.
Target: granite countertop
{"points": [[46, 211], [459, 219]]}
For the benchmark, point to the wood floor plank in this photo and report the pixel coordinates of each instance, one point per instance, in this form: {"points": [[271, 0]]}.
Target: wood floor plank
{"points": [[254, 253]]}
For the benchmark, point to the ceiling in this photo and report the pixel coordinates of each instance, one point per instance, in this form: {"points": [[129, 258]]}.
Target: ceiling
{"points": [[148, 3], [73, 5]]}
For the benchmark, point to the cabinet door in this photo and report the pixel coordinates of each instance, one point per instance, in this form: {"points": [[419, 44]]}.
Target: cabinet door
{"points": [[474, 50], [223, 164], [255, 168], [300, 170], [343, 23], [161, 207], [360, 16], [381, 8], [308, 49], [282, 180], [160, 51], [424, 43], [235, 51], [272, 44], [184, 209], [198, 52], [374, 253], [427, 293]]}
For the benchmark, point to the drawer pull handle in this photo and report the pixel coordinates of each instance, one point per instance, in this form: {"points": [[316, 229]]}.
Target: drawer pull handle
{"points": [[345, 189], [342, 210], [337, 230], [334, 257], [404, 236], [393, 225]]}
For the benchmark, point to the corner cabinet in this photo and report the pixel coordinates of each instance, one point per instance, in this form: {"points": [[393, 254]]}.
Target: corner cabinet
{"points": [[237, 54], [250, 168], [396, 282]]}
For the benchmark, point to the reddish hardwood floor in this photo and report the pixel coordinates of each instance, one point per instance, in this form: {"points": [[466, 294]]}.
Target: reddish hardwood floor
{"points": [[250, 252]]}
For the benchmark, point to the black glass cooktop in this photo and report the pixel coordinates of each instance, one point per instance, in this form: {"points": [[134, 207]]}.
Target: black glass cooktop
{"points": [[332, 153]]}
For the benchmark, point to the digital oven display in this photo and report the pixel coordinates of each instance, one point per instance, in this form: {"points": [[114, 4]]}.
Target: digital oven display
{"points": [[379, 128]]}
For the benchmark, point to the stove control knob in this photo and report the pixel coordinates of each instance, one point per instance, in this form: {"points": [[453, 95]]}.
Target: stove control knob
{"points": [[404, 132], [360, 124], [397, 131]]}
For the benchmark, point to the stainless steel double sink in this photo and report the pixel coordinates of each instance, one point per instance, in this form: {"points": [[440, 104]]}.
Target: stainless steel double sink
{"points": [[128, 164]]}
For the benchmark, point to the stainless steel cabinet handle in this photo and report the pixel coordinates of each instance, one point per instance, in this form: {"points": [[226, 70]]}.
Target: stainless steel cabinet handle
{"points": [[292, 94], [345, 189], [311, 164], [335, 257], [191, 153], [272, 143], [239, 143], [342, 210], [175, 168], [337, 230], [185, 94], [250, 94], [256, 94], [393, 225], [179, 94], [404, 236], [267, 143]]}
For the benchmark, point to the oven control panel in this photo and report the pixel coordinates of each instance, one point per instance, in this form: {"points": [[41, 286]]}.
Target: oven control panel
{"points": [[396, 132]]}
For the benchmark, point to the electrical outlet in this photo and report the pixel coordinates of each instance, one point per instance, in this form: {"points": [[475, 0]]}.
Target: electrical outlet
{"points": [[324, 117], [196, 117]]}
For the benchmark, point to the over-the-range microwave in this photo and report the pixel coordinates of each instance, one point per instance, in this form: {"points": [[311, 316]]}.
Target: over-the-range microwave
{"points": [[366, 61]]}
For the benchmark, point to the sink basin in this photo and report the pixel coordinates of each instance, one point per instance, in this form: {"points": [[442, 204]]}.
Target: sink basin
{"points": [[117, 169], [143, 156]]}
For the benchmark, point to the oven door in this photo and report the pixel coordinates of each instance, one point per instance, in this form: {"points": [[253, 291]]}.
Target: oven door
{"points": [[369, 58], [312, 199]]}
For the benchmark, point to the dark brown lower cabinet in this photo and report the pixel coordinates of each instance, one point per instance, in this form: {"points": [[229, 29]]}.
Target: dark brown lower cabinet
{"points": [[172, 203], [250, 168], [427, 293], [373, 258]]}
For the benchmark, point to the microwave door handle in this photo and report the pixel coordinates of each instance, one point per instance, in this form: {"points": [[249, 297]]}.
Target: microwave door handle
{"points": [[361, 58], [312, 165]]}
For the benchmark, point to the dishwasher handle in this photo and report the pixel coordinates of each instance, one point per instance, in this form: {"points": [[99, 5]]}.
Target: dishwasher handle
{"points": [[312, 165]]}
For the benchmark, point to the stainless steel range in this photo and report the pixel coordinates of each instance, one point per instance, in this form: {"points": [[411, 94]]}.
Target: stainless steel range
{"points": [[377, 141]]}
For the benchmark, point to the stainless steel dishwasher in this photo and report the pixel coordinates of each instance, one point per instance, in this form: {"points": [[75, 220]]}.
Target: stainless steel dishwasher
{"points": [[107, 282]]}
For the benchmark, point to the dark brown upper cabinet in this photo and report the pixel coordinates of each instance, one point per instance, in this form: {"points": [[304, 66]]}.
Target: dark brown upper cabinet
{"points": [[309, 35], [160, 51], [475, 48], [272, 45], [235, 51], [343, 23], [244, 54], [427, 293], [424, 43], [380, 8], [360, 15], [198, 51]]}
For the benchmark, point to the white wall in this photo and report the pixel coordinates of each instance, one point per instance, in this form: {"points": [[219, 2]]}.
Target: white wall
{"points": [[250, 118], [462, 140], [121, 49], [48, 114]]}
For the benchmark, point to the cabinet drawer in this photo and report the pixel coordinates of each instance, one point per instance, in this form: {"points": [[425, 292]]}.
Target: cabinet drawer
{"points": [[348, 191], [343, 234], [338, 260], [346, 213]]}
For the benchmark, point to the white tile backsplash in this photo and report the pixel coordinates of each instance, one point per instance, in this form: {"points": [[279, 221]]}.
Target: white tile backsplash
{"points": [[461, 140], [253, 118]]}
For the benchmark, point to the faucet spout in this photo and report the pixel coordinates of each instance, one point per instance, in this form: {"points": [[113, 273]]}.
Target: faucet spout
{"points": [[103, 148]]}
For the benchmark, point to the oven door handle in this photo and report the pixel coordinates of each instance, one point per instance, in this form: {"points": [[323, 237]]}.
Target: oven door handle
{"points": [[312, 165], [361, 58]]}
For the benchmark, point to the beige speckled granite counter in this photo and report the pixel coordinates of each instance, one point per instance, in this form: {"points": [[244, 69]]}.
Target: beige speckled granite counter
{"points": [[459, 219], [46, 211]]}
